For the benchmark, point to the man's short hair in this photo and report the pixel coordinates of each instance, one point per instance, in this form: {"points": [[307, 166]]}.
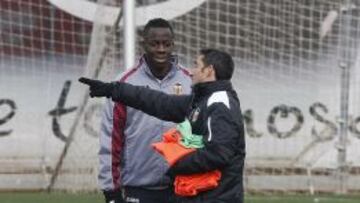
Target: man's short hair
{"points": [[157, 23], [221, 61]]}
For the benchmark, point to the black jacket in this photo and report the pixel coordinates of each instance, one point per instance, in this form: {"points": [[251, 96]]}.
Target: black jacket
{"points": [[214, 112]]}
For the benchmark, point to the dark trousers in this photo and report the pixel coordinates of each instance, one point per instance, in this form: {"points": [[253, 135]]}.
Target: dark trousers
{"points": [[141, 195]]}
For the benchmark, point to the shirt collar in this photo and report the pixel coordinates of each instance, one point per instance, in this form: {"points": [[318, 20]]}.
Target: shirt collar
{"points": [[207, 88]]}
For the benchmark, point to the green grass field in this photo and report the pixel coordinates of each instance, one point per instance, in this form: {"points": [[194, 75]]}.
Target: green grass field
{"points": [[97, 198]]}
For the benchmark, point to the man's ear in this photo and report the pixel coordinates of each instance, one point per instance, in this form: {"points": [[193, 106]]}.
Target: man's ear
{"points": [[142, 41], [210, 71]]}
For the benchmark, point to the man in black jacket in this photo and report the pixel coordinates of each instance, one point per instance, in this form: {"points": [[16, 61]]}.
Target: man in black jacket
{"points": [[213, 110]]}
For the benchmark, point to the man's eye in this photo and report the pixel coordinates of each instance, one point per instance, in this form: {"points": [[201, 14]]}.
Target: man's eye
{"points": [[153, 44], [167, 44]]}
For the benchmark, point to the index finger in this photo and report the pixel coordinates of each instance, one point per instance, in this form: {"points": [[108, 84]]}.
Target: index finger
{"points": [[86, 81]]}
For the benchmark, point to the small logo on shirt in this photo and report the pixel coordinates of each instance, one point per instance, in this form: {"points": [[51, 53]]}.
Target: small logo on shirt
{"points": [[178, 89]]}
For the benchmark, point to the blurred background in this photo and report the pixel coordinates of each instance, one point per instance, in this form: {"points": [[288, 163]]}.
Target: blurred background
{"points": [[297, 75]]}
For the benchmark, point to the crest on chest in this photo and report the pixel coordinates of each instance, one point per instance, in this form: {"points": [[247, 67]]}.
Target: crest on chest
{"points": [[178, 89]]}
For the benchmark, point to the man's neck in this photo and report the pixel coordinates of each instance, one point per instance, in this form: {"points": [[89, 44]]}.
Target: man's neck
{"points": [[160, 71]]}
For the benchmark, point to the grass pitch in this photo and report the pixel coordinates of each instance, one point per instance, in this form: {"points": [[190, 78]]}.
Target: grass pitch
{"points": [[98, 198]]}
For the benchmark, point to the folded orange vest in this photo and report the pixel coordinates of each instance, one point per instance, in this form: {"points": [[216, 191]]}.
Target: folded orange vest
{"points": [[185, 185], [171, 148], [191, 185]]}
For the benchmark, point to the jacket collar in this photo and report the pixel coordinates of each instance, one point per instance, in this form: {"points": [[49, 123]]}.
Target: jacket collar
{"points": [[207, 88]]}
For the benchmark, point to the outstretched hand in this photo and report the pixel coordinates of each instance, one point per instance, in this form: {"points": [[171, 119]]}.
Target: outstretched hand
{"points": [[98, 88]]}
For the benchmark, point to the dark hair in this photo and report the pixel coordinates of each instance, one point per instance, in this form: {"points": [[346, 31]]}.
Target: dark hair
{"points": [[221, 61], [157, 23]]}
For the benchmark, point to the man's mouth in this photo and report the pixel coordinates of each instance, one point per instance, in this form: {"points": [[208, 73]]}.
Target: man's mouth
{"points": [[160, 59]]}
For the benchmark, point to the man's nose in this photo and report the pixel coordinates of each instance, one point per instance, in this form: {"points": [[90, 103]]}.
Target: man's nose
{"points": [[161, 47]]}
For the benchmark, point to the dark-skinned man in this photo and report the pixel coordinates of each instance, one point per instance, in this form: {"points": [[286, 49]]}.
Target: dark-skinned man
{"points": [[130, 171]]}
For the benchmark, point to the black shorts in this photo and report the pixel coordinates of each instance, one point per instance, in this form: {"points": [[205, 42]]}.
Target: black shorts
{"points": [[141, 195]]}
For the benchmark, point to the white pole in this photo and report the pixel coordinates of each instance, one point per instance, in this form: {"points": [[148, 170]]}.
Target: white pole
{"points": [[347, 47], [129, 33]]}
